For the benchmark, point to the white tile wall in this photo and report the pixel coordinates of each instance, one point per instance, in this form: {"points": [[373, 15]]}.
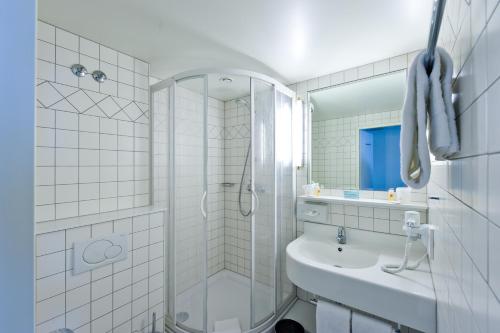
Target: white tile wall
{"points": [[465, 268], [385, 220], [216, 171], [92, 139], [237, 228], [120, 297], [384, 66]]}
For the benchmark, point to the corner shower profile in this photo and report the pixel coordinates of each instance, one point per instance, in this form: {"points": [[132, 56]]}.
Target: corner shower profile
{"points": [[224, 260]]}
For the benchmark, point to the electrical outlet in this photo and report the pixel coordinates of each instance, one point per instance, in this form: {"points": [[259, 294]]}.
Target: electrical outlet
{"points": [[427, 238], [412, 219]]}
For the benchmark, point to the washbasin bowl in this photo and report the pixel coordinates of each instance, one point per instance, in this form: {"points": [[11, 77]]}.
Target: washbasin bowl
{"points": [[337, 255], [351, 274]]}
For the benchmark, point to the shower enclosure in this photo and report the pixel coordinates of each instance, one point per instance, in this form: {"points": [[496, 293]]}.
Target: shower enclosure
{"points": [[222, 166]]}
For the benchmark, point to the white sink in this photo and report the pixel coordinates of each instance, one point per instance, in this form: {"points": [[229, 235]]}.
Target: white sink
{"points": [[350, 274], [332, 254]]}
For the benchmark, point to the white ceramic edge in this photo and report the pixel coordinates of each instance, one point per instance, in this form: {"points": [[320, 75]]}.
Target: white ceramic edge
{"points": [[365, 202], [348, 286]]}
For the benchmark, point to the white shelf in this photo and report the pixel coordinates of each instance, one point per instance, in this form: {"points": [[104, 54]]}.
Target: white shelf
{"points": [[79, 221], [365, 202]]}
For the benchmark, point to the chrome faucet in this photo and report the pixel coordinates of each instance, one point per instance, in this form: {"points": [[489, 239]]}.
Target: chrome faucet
{"points": [[341, 235]]}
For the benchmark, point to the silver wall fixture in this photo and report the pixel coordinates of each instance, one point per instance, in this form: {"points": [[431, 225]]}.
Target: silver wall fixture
{"points": [[99, 76], [225, 79], [437, 18], [81, 71]]}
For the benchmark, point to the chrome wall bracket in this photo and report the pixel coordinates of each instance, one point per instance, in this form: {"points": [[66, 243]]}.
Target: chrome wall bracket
{"points": [[99, 76], [80, 71]]}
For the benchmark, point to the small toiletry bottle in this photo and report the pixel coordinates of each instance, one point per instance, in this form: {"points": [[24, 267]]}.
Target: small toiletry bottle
{"points": [[317, 190], [391, 195]]}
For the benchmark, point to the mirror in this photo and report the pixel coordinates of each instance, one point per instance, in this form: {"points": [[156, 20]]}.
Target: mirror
{"points": [[355, 130]]}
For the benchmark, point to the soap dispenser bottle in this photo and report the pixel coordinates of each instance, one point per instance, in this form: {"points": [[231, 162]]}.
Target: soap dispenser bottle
{"points": [[391, 195]]}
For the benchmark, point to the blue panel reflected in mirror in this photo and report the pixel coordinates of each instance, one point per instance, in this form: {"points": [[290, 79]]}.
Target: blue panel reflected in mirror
{"points": [[379, 157]]}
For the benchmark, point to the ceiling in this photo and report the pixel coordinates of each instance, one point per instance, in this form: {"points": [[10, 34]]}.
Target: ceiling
{"points": [[291, 40], [378, 94]]}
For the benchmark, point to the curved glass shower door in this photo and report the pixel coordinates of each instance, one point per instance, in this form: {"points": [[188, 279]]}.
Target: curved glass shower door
{"points": [[223, 169], [190, 203], [264, 202]]}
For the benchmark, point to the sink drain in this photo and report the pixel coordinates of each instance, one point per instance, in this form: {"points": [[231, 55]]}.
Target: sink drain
{"points": [[182, 316]]}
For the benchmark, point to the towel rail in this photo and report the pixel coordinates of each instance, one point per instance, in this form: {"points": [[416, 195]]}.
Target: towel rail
{"points": [[437, 18], [314, 301]]}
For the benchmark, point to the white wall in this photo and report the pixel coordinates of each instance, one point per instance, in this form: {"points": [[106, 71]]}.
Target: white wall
{"points": [[466, 269], [92, 138], [17, 32]]}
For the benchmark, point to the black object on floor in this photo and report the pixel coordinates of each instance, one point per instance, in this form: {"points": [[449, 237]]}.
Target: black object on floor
{"points": [[288, 326]]}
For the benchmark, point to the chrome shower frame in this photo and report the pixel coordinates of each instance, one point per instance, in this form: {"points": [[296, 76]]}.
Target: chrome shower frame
{"points": [[280, 307]]}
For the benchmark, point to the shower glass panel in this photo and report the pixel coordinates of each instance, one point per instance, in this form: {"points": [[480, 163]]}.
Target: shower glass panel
{"points": [[190, 193], [222, 165], [285, 184], [162, 135], [263, 225]]}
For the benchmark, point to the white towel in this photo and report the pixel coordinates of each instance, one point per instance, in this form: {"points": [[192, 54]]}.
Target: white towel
{"points": [[443, 129], [365, 324], [332, 318], [227, 326], [427, 98]]}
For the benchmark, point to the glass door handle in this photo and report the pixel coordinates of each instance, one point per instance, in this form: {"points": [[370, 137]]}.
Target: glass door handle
{"points": [[257, 202], [202, 205]]}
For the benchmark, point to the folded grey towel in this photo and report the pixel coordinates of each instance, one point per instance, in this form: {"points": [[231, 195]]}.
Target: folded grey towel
{"points": [[443, 137], [415, 161], [428, 101]]}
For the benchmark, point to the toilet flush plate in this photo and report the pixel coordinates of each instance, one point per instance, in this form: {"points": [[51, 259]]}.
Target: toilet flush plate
{"points": [[97, 252]]}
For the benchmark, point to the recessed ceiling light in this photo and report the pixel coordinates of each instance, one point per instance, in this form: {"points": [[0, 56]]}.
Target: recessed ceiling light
{"points": [[225, 79]]}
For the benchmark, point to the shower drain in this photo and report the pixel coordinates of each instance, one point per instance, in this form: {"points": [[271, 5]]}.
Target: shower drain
{"points": [[182, 316]]}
